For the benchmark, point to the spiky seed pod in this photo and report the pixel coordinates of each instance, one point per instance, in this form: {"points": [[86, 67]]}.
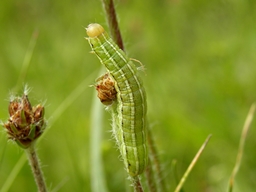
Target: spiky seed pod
{"points": [[26, 123]]}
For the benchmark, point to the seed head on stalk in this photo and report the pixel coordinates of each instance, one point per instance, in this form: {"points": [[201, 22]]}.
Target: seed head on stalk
{"points": [[26, 123]]}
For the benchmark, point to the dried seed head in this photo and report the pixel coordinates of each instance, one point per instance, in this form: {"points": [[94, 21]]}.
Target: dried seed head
{"points": [[26, 123], [106, 89]]}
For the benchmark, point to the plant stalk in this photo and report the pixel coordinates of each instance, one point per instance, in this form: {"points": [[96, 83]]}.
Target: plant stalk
{"points": [[154, 163], [36, 169], [151, 183], [108, 6], [137, 184]]}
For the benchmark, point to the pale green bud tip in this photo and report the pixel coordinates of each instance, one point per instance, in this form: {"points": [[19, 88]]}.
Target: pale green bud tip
{"points": [[26, 123]]}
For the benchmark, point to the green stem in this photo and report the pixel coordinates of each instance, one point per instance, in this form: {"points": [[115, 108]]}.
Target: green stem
{"points": [[36, 169], [110, 12]]}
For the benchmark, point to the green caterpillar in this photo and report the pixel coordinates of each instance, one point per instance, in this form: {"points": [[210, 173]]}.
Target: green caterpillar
{"points": [[130, 108]]}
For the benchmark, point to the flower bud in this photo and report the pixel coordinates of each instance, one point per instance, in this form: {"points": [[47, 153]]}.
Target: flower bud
{"points": [[26, 123]]}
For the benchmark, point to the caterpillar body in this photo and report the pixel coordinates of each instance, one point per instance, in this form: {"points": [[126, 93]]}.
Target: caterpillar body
{"points": [[130, 108]]}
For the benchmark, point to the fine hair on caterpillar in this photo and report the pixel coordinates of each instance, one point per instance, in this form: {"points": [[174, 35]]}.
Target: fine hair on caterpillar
{"points": [[129, 108]]}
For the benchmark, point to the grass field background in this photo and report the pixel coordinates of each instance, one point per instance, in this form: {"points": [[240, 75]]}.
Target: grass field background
{"points": [[200, 79]]}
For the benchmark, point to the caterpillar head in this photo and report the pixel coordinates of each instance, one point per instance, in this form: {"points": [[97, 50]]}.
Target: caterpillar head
{"points": [[94, 30]]}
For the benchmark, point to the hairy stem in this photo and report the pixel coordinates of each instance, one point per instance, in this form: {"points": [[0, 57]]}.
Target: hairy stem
{"points": [[35, 166], [137, 184], [110, 12], [151, 183], [154, 163]]}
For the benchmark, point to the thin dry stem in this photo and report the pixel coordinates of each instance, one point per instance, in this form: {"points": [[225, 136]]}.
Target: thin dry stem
{"points": [[36, 169], [150, 177], [245, 130], [110, 12], [192, 164]]}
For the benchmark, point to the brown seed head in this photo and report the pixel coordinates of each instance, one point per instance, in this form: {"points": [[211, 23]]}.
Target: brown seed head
{"points": [[106, 89], [26, 123]]}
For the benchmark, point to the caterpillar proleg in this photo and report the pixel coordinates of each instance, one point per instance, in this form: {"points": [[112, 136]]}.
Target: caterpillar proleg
{"points": [[130, 107]]}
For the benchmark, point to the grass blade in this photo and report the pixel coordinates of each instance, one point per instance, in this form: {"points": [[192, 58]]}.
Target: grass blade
{"points": [[27, 59], [192, 164], [245, 130], [15, 171], [97, 173]]}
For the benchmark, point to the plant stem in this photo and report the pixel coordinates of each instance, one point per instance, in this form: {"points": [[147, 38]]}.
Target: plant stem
{"points": [[150, 177], [137, 184], [110, 12], [35, 166], [155, 165]]}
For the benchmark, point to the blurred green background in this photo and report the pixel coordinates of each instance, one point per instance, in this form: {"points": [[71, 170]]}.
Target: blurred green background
{"points": [[200, 58]]}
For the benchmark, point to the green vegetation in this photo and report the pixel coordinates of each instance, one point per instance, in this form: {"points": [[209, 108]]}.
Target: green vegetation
{"points": [[200, 79]]}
